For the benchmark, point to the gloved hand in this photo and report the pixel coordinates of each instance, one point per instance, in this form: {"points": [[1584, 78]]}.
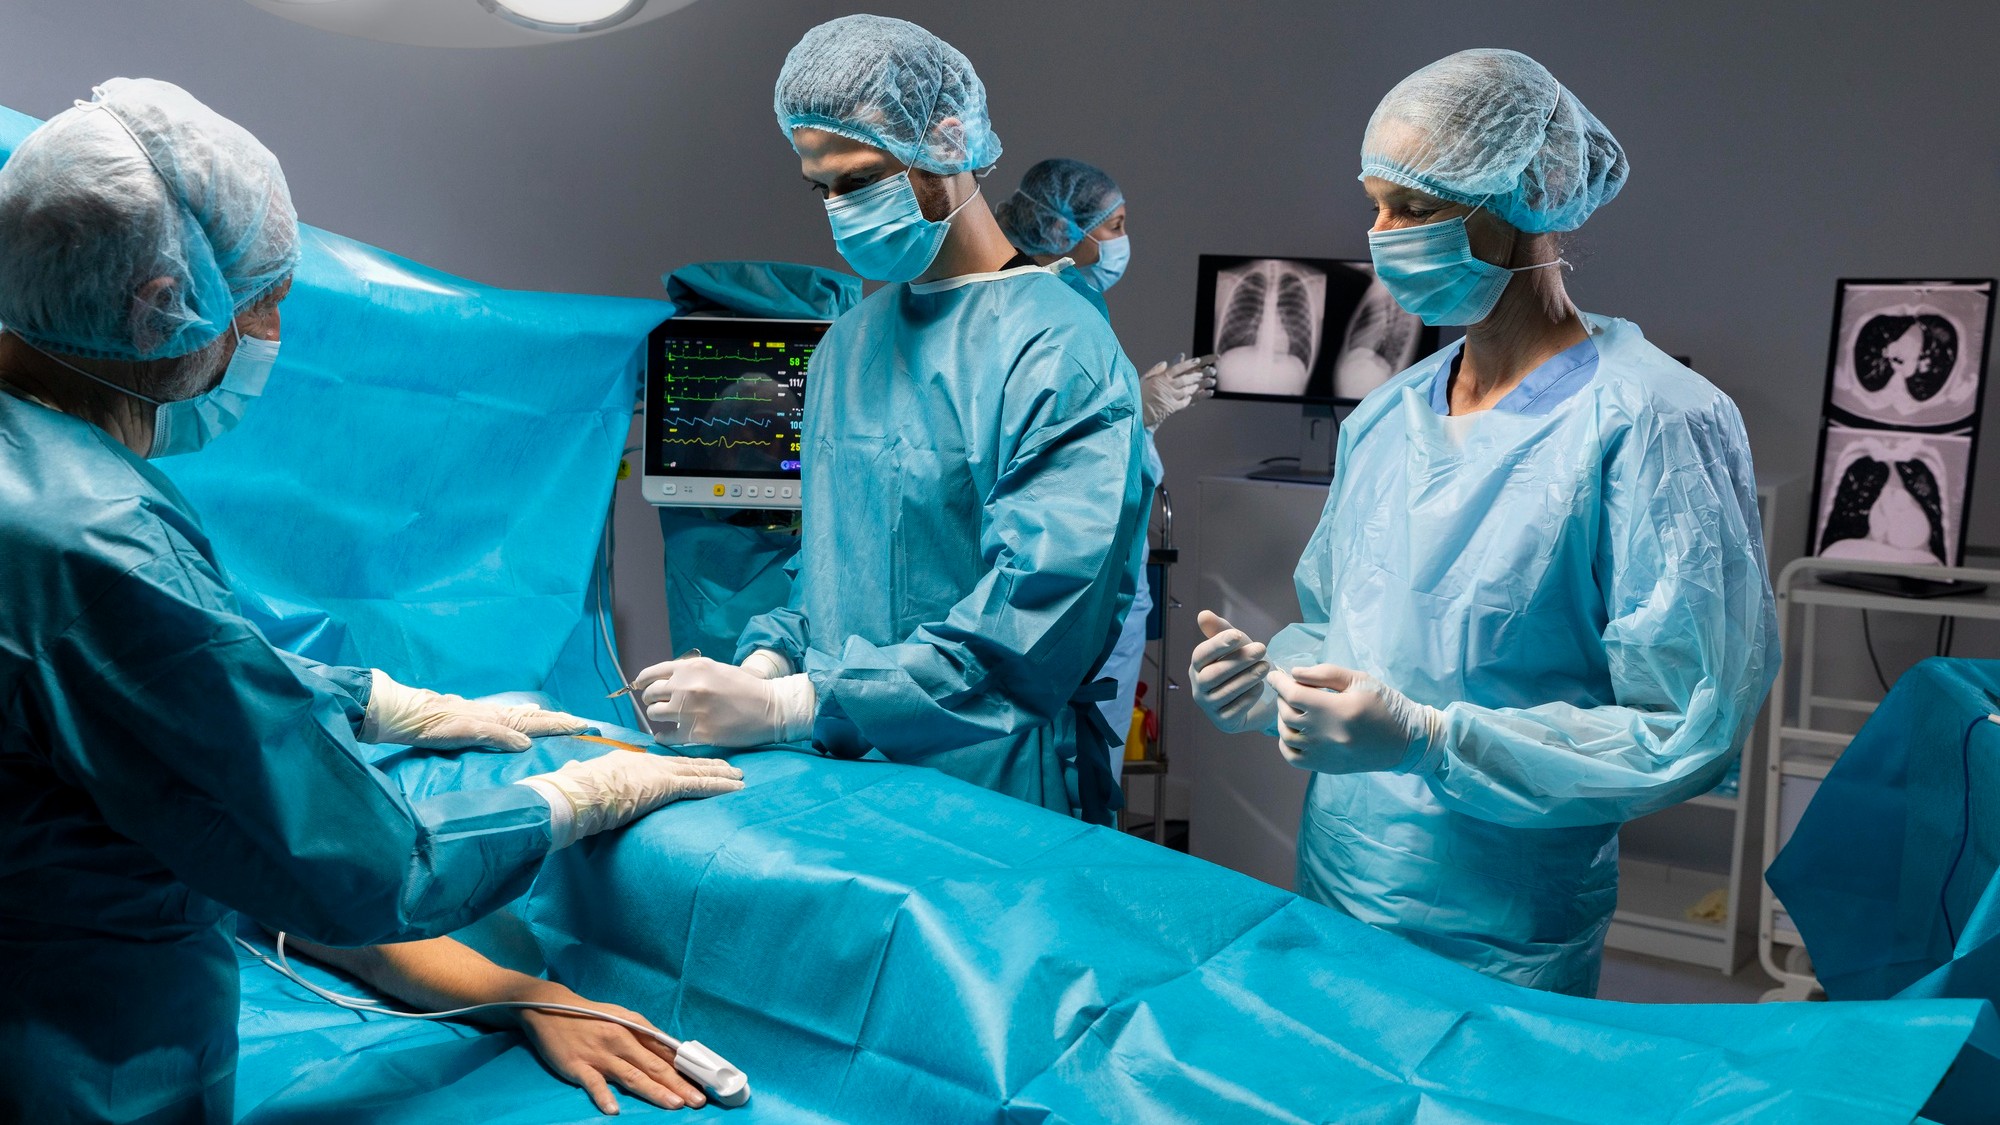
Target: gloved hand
{"points": [[715, 704], [586, 798], [408, 716], [1227, 672], [1166, 389], [1335, 720]]}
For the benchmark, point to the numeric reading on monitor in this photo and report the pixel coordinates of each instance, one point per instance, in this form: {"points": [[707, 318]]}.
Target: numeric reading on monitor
{"points": [[731, 406]]}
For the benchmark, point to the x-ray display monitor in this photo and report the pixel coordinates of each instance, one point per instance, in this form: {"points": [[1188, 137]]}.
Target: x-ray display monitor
{"points": [[1302, 329], [725, 403]]}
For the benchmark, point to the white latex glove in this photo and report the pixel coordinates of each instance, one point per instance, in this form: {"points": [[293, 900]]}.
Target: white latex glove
{"points": [[586, 798], [767, 664], [1335, 720], [1227, 672], [1166, 389], [714, 704], [408, 716]]}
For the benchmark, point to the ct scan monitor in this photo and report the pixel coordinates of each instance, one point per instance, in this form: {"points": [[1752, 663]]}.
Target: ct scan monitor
{"points": [[725, 401]]}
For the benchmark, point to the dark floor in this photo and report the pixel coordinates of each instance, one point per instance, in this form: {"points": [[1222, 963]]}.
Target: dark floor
{"points": [[1652, 980]]}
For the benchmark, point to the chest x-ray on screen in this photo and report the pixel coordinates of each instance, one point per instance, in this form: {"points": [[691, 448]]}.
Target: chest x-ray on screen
{"points": [[1301, 328]]}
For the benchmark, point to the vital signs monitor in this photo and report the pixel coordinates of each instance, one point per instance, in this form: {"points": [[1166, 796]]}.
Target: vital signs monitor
{"points": [[725, 400]]}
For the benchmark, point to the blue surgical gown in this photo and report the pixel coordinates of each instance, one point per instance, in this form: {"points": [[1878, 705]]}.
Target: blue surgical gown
{"points": [[1583, 592], [972, 482], [161, 766], [1128, 652]]}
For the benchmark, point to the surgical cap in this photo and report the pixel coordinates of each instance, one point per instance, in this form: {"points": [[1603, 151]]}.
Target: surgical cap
{"points": [[142, 182], [890, 84], [1493, 127], [1058, 202]]}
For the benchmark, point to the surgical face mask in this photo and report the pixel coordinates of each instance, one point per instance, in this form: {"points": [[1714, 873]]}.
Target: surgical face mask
{"points": [[1433, 274], [1113, 254], [188, 424], [882, 232]]}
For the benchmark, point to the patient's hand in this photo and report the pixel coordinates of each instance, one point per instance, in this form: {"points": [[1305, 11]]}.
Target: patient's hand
{"points": [[444, 975], [595, 1055]]}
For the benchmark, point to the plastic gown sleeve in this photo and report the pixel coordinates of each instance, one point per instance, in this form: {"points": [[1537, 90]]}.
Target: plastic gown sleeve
{"points": [[1057, 540], [237, 767], [1689, 643]]}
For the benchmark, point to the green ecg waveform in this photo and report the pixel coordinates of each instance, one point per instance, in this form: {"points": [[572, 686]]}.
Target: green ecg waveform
{"points": [[711, 443]]}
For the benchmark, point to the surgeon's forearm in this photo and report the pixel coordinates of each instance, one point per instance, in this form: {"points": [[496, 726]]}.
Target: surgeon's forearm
{"points": [[435, 976], [1559, 766]]}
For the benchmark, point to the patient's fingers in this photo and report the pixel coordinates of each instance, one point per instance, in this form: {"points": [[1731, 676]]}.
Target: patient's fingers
{"points": [[593, 1084]]}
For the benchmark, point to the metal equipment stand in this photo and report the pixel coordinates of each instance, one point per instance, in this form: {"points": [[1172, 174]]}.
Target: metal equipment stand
{"points": [[1163, 558], [1802, 751]]}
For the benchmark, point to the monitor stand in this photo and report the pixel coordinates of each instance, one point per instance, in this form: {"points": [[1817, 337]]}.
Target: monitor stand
{"points": [[1314, 464]]}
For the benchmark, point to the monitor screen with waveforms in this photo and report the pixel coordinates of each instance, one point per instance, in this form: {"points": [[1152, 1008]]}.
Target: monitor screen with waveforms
{"points": [[725, 402]]}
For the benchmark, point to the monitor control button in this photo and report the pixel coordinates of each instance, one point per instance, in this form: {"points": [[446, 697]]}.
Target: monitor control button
{"points": [[719, 490], [672, 488]]}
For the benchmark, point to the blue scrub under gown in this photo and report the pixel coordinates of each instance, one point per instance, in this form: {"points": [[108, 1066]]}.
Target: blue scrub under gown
{"points": [[1578, 581], [972, 477], [161, 766]]}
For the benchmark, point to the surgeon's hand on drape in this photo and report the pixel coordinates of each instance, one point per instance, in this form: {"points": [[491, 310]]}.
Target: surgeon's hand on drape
{"points": [[708, 703], [199, 741], [407, 716]]}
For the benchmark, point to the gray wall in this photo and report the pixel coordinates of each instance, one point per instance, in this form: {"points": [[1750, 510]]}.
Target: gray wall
{"points": [[1774, 148]]}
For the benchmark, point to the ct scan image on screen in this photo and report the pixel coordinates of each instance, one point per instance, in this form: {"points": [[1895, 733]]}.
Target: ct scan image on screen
{"points": [[1910, 356], [1301, 329], [1893, 497]]}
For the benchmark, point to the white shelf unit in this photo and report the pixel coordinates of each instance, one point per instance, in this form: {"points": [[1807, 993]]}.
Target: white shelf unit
{"points": [[1670, 861], [1799, 752]]}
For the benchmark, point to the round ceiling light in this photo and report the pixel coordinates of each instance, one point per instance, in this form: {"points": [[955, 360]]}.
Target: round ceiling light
{"points": [[472, 23], [565, 16]]}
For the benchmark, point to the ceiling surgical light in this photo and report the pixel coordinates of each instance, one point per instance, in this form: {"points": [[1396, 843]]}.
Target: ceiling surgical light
{"points": [[472, 23], [566, 16]]}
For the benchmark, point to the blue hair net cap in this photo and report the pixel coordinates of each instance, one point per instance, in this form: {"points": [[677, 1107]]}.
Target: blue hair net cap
{"points": [[891, 84], [1059, 201], [1494, 126], [140, 183]]}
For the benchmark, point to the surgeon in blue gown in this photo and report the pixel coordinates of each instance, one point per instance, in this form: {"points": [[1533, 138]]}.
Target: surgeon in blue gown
{"points": [[161, 765], [1068, 209], [1536, 605], [972, 463]]}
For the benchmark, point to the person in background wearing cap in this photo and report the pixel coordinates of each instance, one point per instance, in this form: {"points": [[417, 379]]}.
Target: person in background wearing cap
{"points": [[973, 455], [1536, 605], [1069, 209]]}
